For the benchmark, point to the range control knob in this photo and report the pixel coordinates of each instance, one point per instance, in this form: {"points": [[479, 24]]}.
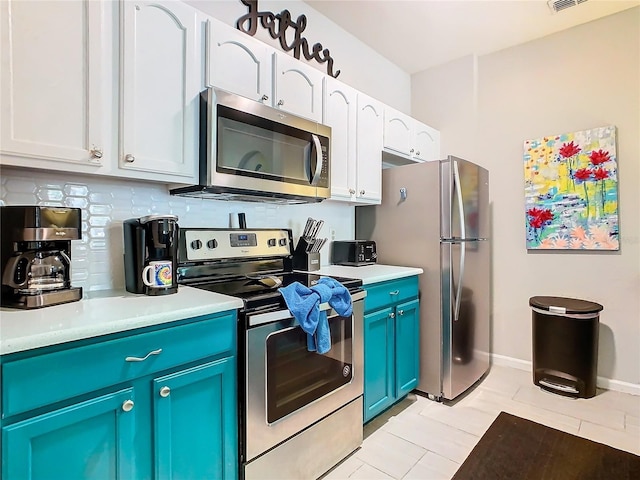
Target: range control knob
{"points": [[271, 242], [282, 242], [213, 243], [196, 244]]}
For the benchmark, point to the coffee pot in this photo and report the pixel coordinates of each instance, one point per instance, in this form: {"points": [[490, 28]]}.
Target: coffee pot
{"points": [[151, 254], [36, 255]]}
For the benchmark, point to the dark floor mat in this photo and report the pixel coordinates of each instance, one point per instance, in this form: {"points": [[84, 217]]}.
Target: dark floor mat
{"points": [[514, 448]]}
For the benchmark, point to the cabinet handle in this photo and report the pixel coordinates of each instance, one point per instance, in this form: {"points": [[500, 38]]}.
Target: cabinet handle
{"points": [[411, 151], [392, 315], [129, 158], [96, 152], [165, 391], [142, 359], [400, 312], [395, 292], [127, 405], [265, 98], [418, 153], [361, 192], [280, 102], [352, 191]]}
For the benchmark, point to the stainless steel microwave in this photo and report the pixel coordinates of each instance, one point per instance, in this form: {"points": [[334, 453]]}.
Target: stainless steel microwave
{"points": [[252, 152]]}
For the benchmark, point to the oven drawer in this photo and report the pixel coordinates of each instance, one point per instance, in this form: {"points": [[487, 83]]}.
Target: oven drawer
{"points": [[380, 295], [29, 383]]}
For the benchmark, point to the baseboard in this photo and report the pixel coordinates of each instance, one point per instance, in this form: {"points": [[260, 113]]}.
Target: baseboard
{"points": [[601, 382]]}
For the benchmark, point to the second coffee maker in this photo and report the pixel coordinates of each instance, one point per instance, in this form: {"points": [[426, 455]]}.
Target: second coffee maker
{"points": [[151, 254]]}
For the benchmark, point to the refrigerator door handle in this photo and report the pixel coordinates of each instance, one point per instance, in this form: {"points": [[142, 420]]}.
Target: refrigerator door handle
{"points": [[458, 189], [458, 298], [463, 235]]}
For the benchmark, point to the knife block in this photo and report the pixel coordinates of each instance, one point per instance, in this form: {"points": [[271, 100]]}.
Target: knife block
{"points": [[303, 260]]}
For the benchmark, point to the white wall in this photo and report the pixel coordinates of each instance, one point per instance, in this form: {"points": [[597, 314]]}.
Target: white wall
{"points": [[361, 67], [585, 77]]}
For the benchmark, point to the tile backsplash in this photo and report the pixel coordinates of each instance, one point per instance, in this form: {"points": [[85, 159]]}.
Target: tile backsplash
{"points": [[97, 259]]}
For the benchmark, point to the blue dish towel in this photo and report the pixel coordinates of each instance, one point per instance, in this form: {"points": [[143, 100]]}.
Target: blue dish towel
{"points": [[304, 303]]}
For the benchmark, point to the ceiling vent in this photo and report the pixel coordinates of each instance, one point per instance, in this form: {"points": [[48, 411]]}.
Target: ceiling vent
{"points": [[559, 5]]}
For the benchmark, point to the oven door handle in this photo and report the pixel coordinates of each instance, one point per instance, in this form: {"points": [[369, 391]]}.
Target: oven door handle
{"points": [[262, 318]]}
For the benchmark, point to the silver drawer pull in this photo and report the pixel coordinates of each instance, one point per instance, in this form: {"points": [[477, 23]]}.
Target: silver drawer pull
{"points": [[400, 312], [392, 315], [165, 392], [142, 359], [395, 292], [127, 405]]}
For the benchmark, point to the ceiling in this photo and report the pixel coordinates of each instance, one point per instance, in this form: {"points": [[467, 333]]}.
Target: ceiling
{"points": [[419, 34]]}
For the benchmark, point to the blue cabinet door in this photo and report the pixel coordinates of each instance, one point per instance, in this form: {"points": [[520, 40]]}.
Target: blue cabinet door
{"points": [[378, 362], [195, 422], [91, 439], [407, 347]]}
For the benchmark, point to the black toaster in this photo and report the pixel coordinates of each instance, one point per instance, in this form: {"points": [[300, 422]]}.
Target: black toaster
{"points": [[353, 252]]}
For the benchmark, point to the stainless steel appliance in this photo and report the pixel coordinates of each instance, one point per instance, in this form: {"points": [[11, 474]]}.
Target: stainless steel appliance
{"points": [[36, 255], [252, 152], [300, 412], [151, 241], [435, 215], [354, 252]]}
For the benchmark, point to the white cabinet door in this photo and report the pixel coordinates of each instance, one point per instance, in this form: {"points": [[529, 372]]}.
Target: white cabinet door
{"points": [[238, 63], [398, 131], [160, 83], [426, 142], [297, 87], [52, 84], [369, 149], [340, 114]]}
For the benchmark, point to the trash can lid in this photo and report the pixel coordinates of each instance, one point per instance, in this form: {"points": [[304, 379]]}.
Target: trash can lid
{"points": [[565, 305]]}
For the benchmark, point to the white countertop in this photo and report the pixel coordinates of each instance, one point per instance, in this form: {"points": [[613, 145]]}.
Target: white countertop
{"points": [[370, 273], [101, 313]]}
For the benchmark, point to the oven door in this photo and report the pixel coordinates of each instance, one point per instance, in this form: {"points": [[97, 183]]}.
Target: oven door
{"points": [[289, 388]]}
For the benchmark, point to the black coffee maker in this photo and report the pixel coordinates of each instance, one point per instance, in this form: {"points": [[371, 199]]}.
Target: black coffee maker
{"points": [[151, 254], [35, 255]]}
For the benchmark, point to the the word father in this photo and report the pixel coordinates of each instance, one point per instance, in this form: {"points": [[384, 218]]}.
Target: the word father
{"points": [[277, 24]]}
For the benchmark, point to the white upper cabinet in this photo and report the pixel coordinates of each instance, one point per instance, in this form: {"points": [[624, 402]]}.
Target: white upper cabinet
{"points": [[340, 111], [404, 135], [426, 141], [238, 63], [297, 87], [370, 125], [52, 84], [160, 82]]}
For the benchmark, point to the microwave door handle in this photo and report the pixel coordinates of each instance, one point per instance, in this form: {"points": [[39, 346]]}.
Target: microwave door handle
{"points": [[318, 149]]}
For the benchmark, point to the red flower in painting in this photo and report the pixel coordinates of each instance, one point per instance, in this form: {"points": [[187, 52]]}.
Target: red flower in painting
{"points": [[538, 217], [568, 150], [599, 157], [582, 174], [600, 174]]}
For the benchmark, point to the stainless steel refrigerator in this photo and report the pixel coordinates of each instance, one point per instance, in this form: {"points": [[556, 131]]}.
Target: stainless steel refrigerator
{"points": [[435, 215]]}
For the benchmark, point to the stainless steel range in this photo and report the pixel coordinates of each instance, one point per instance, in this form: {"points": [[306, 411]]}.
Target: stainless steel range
{"points": [[300, 412]]}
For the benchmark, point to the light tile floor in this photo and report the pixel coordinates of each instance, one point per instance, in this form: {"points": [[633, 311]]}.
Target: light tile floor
{"points": [[425, 440]]}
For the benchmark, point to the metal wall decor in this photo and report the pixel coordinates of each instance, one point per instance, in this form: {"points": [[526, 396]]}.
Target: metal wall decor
{"points": [[278, 24]]}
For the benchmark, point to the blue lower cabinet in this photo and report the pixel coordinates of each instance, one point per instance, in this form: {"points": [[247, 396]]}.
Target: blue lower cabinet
{"points": [[378, 361], [195, 422], [91, 439], [407, 347], [391, 343], [167, 409]]}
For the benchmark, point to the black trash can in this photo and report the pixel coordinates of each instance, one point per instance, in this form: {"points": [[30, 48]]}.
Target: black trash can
{"points": [[565, 345]]}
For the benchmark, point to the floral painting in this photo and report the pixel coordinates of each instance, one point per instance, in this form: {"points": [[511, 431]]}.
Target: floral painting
{"points": [[571, 191]]}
